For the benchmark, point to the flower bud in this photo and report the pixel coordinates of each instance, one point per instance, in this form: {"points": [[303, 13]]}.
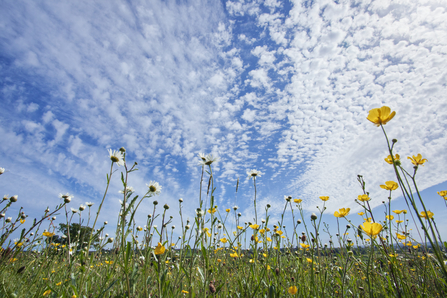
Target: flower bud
{"points": [[122, 149], [313, 216], [53, 218], [110, 240], [8, 219], [298, 221], [155, 203], [166, 206], [13, 198], [180, 200]]}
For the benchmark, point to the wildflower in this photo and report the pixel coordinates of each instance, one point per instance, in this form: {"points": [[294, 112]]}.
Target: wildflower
{"points": [[254, 173], [380, 116], [160, 249], [202, 156], [67, 197], [297, 201], [2, 170], [372, 229], [210, 159], [398, 211], [13, 198], [417, 160], [233, 255], [139, 229], [443, 194], [224, 240], [154, 188], [74, 210], [313, 216], [185, 292], [105, 222], [361, 213], [389, 160], [110, 240], [268, 239], [46, 293], [254, 226], [116, 156], [390, 185], [240, 228], [81, 208], [363, 198], [89, 204], [48, 234], [389, 217], [22, 221], [427, 215], [399, 221], [187, 227], [288, 198], [342, 212], [180, 200], [400, 237], [309, 260], [293, 290], [128, 189], [212, 210], [166, 206], [235, 208], [304, 245], [8, 219]]}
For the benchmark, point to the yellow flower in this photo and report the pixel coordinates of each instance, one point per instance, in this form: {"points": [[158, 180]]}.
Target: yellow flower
{"points": [[324, 198], [399, 221], [297, 201], [309, 260], [160, 249], [389, 217], [400, 237], [268, 239], [398, 211], [212, 210], [372, 229], [262, 231], [73, 296], [428, 215], [279, 232], [46, 293], [390, 185], [234, 255], [443, 193], [293, 290], [48, 234], [361, 213], [109, 262], [363, 198], [254, 226], [380, 116], [342, 212], [228, 210], [223, 240], [59, 283], [22, 221], [139, 229], [185, 292], [390, 160], [268, 267], [240, 228], [368, 219], [417, 160], [304, 245]]}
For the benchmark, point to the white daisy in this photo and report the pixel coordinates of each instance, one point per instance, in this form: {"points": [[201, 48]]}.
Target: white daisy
{"points": [[74, 210], [254, 173], [154, 188], [2, 170], [90, 204], [116, 156], [129, 189]]}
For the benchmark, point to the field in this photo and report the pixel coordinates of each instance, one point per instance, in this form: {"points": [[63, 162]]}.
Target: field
{"points": [[210, 258]]}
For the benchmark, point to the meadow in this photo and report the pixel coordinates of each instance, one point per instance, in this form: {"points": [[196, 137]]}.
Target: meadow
{"points": [[217, 255]]}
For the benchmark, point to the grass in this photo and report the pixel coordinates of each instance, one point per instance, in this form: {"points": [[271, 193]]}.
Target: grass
{"points": [[209, 258]]}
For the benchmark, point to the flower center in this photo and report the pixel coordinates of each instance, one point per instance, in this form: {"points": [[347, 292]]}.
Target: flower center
{"points": [[152, 188], [114, 158]]}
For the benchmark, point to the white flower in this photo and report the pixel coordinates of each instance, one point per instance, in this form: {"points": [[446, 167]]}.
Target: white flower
{"points": [[200, 213], [81, 208], [202, 156], [90, 204], [288, 198], [129, 189], [105, 222], [74, 210], [254, 173], [142, 258], [235, 208], [116, 156], [67, 197], [2, 170], [207, 160], [154, 188], [5, 197]]}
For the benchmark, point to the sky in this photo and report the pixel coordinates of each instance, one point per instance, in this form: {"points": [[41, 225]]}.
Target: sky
{"points": [[282, 87]]}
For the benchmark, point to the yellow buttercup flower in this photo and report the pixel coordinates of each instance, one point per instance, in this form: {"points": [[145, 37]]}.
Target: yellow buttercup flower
{"points": [[361, 213], [240, 228], [372, 229], [417, 160], [297, 201], [309, 260], [342, 212], [363, 198], [324, 198], [427, 215], [390, 185], [400, 237], [279, 232], [233, 255], [268, 239], [160, 249], [254, 226], [389, 160], [304, 245], [443, 193], [389, 217], [223, 240], [185, 292], [380, 116], [48, 234], [398, 211], [46, 293], [212, 210], [22, 221], [293, 290], [399, 221], [228, 210], [262, 231]]}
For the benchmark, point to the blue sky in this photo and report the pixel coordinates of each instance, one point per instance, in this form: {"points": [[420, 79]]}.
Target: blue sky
{"points": [[283, 87]]}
